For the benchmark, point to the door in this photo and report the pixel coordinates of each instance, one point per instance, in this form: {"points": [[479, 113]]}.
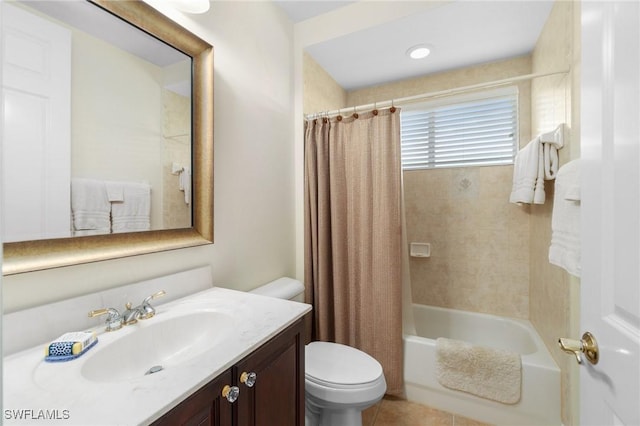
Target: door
{"points": [[36, 140], [610, 151]]}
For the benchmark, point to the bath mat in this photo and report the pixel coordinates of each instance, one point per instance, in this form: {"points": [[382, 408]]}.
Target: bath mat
{"points": [[485, 372]]}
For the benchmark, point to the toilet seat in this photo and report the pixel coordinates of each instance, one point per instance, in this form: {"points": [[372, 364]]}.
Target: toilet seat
{"points": [[333, 363], [341, 374]]}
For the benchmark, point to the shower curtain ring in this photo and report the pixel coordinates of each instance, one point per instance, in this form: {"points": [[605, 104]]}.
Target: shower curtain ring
{"points": [[375, 108], [355, 113]]}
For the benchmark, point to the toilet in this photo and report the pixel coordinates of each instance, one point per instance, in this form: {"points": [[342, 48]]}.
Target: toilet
{"points": [[340, 381]]}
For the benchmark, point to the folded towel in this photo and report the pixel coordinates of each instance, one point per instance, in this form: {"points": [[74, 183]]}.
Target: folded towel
{"points": [[115, 191], [535, 163], [485, 372], [90, 207], [528, 175], [70, 346], [552, 142], [565, 220], [134, 213]]}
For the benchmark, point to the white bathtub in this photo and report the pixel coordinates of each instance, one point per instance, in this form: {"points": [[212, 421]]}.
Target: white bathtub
{"points": [[540, 394]]}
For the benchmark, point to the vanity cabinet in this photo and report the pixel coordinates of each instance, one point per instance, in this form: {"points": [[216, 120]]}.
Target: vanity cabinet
{"points": [[272, 396], [205, 407]]}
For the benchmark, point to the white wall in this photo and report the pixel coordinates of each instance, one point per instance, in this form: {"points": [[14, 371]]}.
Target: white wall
{"points": [[116, 140], [254, 181]]}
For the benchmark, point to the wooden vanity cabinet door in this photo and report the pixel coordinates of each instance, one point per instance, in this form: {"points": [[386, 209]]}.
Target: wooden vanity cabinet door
{"points": [[277, 397], [205, 407]]}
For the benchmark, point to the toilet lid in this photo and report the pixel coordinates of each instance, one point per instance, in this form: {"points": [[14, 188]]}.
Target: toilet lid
{"points": [[339, 364]]}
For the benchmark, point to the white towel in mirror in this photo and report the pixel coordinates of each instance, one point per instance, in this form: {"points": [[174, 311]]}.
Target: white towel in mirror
{"points": [[90, 207], [134, 213]]}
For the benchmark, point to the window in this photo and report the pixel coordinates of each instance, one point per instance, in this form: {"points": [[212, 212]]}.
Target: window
{"points": [[464, 131]]}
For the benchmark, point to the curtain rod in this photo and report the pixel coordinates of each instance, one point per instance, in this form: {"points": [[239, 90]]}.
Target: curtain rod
{"points": [[439, 93]]}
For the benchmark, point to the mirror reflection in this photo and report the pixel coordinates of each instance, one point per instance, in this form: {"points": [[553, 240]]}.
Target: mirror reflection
{"points": [[97, 125]]}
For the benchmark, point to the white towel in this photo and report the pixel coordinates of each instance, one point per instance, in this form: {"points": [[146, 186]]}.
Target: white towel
{"points": [[494, 374], [134, 213], [565, 221], [185, 184], [535, 163], [552, 142], [90, 207], [115, 191], [528, 175]]}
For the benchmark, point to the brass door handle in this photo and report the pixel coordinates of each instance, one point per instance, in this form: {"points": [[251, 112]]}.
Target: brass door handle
{"points": [[587, 346]]}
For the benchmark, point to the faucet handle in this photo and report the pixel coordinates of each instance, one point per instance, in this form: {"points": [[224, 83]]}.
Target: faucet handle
{"points": [[147, 310], [114, 320]]}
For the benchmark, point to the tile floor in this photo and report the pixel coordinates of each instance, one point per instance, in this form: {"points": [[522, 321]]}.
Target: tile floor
{"points": [[400, 412]]}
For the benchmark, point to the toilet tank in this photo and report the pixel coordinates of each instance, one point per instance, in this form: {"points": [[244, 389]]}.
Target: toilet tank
{"points": [[282, 288]]}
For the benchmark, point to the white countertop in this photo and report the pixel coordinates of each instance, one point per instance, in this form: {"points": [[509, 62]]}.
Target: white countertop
{"points": [[38, 392]]}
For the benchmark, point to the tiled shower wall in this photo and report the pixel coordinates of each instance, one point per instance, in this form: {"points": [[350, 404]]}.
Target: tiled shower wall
{"points": [[479, 242], [554, 293], [176, 149]]}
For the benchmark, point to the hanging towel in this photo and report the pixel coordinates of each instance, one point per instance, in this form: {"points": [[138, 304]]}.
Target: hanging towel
{"points": [[115, 191], [185, 184], [535, 163], [565, 220], [134, 213], [528, 173], [551, 143], [90, 207], [485, 372]]}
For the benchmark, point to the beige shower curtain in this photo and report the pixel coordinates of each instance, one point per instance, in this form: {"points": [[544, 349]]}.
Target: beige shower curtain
{"points": [[353, 235]]}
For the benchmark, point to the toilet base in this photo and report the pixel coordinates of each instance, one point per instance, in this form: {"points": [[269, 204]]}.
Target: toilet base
{"points": [[328, 417], [347, 417]]}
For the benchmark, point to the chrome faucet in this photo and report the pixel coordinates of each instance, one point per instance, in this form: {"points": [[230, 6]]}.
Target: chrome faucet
{"points": [[114, 319], [144, 311], [131, 315]]}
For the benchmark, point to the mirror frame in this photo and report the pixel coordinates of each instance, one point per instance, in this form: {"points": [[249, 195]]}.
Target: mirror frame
{"points": [[28, 256]]}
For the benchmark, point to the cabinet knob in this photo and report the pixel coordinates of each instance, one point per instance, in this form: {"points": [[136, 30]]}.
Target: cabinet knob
{"points": [[231, 393], [248, 379]]}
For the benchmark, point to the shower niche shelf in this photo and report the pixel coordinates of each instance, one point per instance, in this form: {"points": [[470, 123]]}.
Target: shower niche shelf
{"points": [[420, 249]]}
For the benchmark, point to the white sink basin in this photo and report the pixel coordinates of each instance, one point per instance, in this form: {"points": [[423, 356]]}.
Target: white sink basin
{"points": [[156, 344]]}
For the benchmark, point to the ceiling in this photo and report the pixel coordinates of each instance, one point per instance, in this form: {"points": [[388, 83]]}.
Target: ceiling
{"points": [[461, 33]]}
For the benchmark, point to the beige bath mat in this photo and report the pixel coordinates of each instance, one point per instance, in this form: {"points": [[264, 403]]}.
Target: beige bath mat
{"points": [[489, 373]]}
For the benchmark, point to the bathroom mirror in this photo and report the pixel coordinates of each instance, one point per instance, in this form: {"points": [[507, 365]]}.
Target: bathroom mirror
{"points": [[38, 254]]}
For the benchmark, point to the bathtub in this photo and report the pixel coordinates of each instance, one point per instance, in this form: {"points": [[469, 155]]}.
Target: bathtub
{"points": [[540, 394]]}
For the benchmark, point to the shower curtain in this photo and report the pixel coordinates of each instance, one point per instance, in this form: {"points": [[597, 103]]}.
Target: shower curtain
{"points": [[353, 235]]}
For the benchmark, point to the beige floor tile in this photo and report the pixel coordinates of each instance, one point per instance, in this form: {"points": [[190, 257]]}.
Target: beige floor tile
{"points": [[369, 415], [400, 412], [463, 421]]}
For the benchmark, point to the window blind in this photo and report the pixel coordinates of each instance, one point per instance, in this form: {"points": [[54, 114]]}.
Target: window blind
{"points": [[478, 132]]}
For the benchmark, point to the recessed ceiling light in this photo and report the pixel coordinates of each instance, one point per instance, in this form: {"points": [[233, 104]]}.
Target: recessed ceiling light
{"points": [[419, 52]]}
